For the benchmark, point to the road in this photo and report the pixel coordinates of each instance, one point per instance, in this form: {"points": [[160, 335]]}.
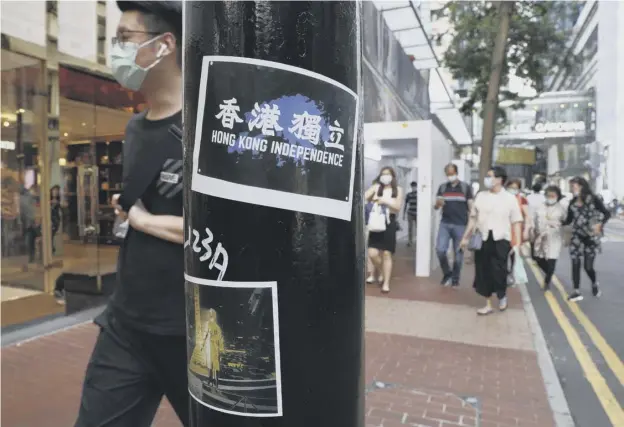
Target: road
{"points": [[586, 339]]}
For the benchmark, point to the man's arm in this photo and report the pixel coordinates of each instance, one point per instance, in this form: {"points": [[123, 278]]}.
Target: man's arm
{"points": [[405, 205], [143, 170], [439, 200], [469, 197], [166, 227]]}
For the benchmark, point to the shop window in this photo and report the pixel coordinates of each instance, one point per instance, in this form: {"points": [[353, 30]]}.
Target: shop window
{"points": [[22, 238]]}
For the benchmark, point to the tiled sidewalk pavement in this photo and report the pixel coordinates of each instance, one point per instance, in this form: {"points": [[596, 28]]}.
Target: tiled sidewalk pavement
{"points": [[430, 361]]}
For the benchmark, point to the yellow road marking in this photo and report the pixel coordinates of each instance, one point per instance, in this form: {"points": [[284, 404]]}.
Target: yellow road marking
{"points": [[605, 396], [612, 359]]}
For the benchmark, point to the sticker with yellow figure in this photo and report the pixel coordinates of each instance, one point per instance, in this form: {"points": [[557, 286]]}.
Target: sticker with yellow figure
{"points": [[233, 343]]}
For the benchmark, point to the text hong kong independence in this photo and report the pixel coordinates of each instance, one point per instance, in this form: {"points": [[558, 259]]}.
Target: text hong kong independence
{"points": [[266, 118]]}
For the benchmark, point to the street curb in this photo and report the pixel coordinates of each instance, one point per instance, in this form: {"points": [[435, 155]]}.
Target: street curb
{"points": [[554, 391], [48, 327]]}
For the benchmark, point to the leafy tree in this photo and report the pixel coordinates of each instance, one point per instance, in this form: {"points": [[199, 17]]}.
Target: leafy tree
{"points": [[536, 44], [490, 41]]}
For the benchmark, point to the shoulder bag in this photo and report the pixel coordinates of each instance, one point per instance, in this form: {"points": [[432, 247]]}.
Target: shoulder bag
{"points": [[377, 219]]}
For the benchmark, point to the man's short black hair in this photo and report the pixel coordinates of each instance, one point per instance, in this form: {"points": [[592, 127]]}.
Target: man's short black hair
{"points": [[413, 184], [537, 187], [500, 172], [451, 166], [159, 17]]}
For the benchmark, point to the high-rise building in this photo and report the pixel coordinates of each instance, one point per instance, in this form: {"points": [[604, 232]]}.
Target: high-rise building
{"points": [[598, 43]]}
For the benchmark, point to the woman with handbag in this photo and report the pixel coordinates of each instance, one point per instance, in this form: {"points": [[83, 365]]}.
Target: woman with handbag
{"points": [[386, 197], [494, 214], [587, 215], [549, 233]]}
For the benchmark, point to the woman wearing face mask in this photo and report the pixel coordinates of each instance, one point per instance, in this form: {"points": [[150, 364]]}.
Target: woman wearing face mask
{"points": [[381, 245], [548, 231], [587, 215], [494, 214]]}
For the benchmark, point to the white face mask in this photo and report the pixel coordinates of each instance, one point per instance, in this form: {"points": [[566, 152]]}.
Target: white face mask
{"points": [[124, 66], [488, 182], [385, 179], [551, 202], [452, 178], [513, 191]]}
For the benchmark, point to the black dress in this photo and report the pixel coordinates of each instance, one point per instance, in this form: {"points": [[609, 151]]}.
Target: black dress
{"points": [[384, 240]]}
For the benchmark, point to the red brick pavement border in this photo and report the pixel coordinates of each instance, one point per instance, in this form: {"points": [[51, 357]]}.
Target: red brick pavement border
{"points": [[41, 381], [507, 383]]}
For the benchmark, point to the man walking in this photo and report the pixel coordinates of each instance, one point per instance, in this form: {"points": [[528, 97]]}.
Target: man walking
{"points": [[455, 199], [410, 209], [140, 353]]}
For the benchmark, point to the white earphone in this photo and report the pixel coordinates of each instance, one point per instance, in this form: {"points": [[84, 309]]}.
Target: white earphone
{"points": [[163, 48]]}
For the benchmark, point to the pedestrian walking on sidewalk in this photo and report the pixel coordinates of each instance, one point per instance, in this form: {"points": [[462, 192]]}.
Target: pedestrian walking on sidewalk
{"points": [[513, 186], [494, 214], [387, 198], [140, 353], [410, 210], [587, 214], [455, 199], [548, 241]]}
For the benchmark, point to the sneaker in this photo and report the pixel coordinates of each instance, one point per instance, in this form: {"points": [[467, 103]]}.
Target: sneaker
{"points": [[596, 290], [502, 304], [546, 286], [370, 280], [575, 296], [455, 285], [484, 311], [60, 297], [446, 280]]}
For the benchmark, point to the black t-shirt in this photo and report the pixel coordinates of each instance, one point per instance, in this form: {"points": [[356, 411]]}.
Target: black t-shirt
{"points": [[150, 292]]}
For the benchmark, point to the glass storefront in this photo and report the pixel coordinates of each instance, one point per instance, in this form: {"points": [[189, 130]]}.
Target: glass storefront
{"points": [[86, 116], [93, 115], [22, 134]]}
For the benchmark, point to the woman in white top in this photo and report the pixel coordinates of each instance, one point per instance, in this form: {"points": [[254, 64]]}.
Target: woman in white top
{"points": [[381, 245], [494, 213], [548, 242]]}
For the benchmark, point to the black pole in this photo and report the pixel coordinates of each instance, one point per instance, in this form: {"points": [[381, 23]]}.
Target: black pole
{"points": [[273, 213]]}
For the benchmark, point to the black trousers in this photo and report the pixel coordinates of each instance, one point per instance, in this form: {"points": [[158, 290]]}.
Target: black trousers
{"points": [[548, 267], [491, 267], [129, 373]]}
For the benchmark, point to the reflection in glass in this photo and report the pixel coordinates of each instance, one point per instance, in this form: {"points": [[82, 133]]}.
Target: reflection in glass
{"points": [[22, 133]]}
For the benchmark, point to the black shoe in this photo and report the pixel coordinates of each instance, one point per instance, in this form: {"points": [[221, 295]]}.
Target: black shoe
{"points": [[546, 286], [596, 290], [446, 280], [575, 296], [455, 284]]}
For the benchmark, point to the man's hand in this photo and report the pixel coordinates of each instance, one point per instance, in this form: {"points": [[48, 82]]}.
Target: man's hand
{"points": [[439, 203], [463, 245], [118, 209]]}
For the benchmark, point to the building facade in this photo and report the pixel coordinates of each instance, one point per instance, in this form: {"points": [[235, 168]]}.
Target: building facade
{"points": [[598, 42], [62, 129]]}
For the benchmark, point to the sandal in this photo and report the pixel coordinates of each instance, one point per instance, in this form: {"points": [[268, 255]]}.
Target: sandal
{"points": [[385, 289]]}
